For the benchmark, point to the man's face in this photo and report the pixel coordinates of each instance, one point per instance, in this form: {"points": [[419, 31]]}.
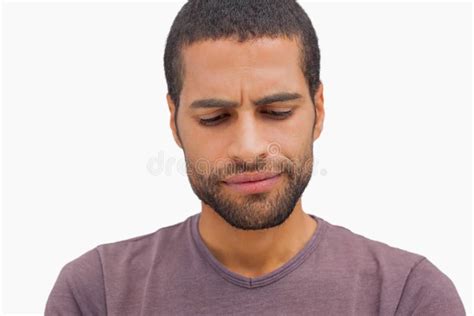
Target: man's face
{"points": [[245, 108]]}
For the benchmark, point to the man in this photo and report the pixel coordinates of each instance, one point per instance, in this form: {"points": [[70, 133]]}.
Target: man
{"points": [[246, 104]]}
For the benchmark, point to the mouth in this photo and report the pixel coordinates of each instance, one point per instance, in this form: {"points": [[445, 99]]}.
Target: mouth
{"points": [[251, 183]]}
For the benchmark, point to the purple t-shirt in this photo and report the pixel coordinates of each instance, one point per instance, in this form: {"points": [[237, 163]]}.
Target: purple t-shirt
{"points": [[172, 272]]}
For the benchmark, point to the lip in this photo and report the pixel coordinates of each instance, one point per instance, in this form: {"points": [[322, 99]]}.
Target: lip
{"points": [[250, 177], [252, 183]]}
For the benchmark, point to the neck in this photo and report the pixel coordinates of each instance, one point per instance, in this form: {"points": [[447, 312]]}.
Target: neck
{"points": [[255, 252]]}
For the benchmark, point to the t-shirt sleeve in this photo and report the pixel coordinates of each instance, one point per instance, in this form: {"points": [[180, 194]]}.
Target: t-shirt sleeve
{"points": [[428, 291], [79, 288]]}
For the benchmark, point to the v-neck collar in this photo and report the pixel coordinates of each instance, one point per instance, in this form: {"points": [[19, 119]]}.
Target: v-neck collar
{"points": [[265, 279]]}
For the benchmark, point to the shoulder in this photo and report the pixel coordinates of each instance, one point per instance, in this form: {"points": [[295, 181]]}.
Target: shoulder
{"points": [[81, 288], [428, 291], [343, 243], [419, 286], [142, 249]]}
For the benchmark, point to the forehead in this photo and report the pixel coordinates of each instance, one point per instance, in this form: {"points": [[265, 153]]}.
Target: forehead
{"points": [[229, 52], [215, 66]]}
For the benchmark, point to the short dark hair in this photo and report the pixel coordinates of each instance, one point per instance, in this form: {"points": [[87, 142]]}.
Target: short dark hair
{"points": [[243, 20]]}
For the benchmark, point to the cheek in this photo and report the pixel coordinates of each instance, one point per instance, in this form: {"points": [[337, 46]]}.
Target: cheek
{"points": [[202, 143], [294, 135], [193, 142], [205, 157]]}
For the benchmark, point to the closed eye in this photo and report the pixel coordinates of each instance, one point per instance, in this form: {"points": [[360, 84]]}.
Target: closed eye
{"points": [[277, 115], [213, 120]]}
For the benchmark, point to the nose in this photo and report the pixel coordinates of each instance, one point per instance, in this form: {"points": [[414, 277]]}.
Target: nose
{"points": [[248, 143]]}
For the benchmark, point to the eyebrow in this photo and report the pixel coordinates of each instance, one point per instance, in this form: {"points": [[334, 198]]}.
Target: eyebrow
{"points": [[269, 99]]}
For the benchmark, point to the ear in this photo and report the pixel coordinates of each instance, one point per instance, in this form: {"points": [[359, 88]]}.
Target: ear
{"points": [[174, 128], [319, 109]]}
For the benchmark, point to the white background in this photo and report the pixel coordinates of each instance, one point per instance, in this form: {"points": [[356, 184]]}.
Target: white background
{"points": [[88, 157]]}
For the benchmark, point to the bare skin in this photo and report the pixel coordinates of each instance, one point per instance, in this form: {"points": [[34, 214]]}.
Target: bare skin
{"points": [[255, 253], [243, 73]]}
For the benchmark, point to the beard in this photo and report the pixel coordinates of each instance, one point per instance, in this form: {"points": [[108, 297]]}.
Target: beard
{"points": [[252, 211]]}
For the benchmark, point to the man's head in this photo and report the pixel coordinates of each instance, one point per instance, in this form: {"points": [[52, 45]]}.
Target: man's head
{"points": [[245, 96]]}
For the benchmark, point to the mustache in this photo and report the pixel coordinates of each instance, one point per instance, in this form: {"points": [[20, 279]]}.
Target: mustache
{"points": [[224, 169]]}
